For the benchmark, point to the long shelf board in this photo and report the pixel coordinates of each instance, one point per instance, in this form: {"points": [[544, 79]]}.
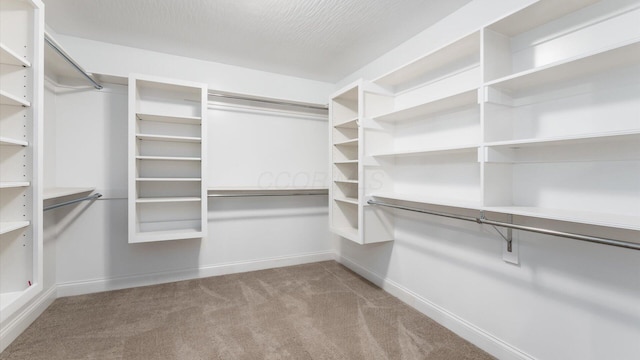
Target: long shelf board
{"points": [[164, 235], [590, 139], [166, 199], [351, 201], [57, 192], [14, 184], [191, 120], [265, 191], [170, 158], [9, 226], [350, 142], [152, 137], [14, 142], [10, 57], [459, 49], [583, 65], [474, 205], [537, 14], [13, 100], [583, 217], [349, 124], [169, 179], [346, 232], [346, 162], [451, 150], [346, 181], [456, 101]]}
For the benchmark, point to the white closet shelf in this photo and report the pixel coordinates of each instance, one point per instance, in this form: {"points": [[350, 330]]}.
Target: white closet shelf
{"points": [[449, 150], [346, 162], [9, 226], [455, 101], [427, 200], [591, 63], [153, 137], [169, 179], [10, 57], [14, 142], [13, 100], [166, 199], [194, 120], [347, 232], [268, 190], [14, 184], [348, 124], [168, 235], [462, 48], [582, 217], [587, 139], [346, 181], [351, 142], [170, 158], [57, 192], [537, 14], [352, 201]]}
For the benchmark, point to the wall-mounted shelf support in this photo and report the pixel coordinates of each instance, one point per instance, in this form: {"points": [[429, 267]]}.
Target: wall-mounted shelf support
{"points": [[508, 237], [86, 198], [482, 220]]}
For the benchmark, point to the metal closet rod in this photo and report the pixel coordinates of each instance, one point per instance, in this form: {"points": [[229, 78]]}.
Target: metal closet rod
{"points": [[54, 45], [90, 197], [481, 220], [268, 101]]}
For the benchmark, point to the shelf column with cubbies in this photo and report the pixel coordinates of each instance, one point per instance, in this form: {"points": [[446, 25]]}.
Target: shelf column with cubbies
{"points": [[21, 95], [167, 159]]}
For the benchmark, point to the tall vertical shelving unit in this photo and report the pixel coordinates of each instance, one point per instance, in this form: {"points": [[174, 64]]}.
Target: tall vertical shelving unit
{"points": [[21, 96], [349, 217], [535, 115], [167, 159]]}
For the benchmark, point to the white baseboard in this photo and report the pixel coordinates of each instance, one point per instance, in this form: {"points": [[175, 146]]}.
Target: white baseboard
{"points": [[21, 321], [116, 283], [464, 329]]}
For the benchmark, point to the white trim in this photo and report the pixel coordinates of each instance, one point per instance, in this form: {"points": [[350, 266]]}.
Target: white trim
{"points": [[15, 327], [124, 282], [461, 327]]}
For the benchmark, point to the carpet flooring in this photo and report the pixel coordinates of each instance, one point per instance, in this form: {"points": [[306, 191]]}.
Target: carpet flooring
{"points": [[312, 311]]}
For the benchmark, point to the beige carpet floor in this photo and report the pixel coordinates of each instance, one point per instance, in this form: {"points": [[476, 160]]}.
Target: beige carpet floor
{"points": [[313, 311]]}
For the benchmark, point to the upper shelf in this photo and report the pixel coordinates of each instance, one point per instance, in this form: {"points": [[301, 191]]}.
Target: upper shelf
{"points": [[194, 120], [448, 150], [10, 57], [14, 142], [153, 137], [13, 184], [57, 192], [580, 66], [9, 226], [464, 99], [455, 52]]}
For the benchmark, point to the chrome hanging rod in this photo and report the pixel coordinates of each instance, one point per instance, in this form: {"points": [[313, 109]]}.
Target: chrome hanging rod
{"points": [[268, 101], [481, 220], [54, 45], [90, 197]]}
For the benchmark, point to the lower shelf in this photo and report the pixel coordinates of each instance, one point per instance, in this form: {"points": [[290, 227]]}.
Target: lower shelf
{"points": [[168, 230], [347, 233]]}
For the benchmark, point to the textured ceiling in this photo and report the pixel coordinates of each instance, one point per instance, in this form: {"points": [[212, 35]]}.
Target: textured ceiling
{"points": [[316, 39]]}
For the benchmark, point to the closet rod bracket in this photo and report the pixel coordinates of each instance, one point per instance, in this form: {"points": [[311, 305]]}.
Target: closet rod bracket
{"points": [[508, 237]]}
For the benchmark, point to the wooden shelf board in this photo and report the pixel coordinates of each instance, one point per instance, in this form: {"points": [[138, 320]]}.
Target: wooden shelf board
{"points": [[349, 124], [474, 205], [57, 192], [350, 142], [169, 179], [590, 139], [9, 226], [434, 151], [166, 199], [458, 49], [13, 100], [194, 120], [586, 64], [168, 158], [583, 217], [14, 142], [537, 14], [352, 201], [456, 101], [10, 57], [14, 184], [151, 137]]}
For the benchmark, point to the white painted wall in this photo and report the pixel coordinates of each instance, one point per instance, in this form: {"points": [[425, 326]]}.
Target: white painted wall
{"points": [[566, 300]]}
